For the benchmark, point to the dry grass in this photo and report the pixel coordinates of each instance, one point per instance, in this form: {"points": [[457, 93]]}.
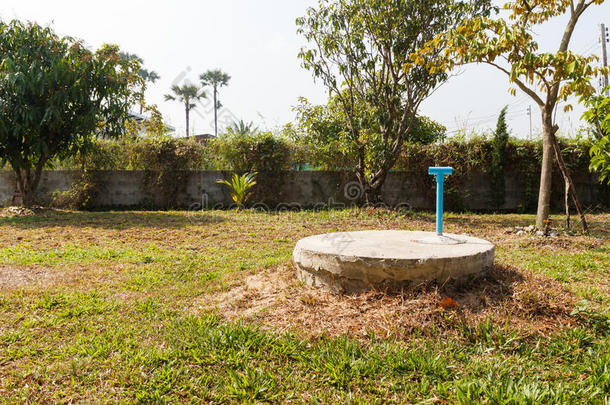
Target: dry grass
{"points": [[530, 303]]}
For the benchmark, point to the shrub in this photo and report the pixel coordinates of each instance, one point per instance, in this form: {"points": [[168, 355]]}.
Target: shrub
{"points": [[82, 192], [168, 154], [240, 187], [154, 154], [253, 152]]}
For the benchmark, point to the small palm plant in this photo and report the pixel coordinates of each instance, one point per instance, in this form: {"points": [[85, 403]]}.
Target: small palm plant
{"points": [[240, 187]]}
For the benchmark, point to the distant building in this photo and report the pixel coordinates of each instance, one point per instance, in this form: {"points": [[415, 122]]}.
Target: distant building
{"points": [[203, 138], [139, 118]]}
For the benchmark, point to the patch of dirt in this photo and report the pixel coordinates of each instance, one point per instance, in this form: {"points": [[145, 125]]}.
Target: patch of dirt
{"points": [[566, 244], [276, 300], [13, 278]]}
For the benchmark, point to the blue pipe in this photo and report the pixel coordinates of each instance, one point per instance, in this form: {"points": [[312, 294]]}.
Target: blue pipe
{"points": [[440, 173]]}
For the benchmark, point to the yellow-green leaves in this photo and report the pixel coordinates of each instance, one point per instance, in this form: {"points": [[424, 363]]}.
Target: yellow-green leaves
{"points": [[509, 45], [240, 187]]}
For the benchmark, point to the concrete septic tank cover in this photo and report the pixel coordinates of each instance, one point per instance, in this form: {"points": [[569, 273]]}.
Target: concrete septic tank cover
{"points": [[359, 261]]}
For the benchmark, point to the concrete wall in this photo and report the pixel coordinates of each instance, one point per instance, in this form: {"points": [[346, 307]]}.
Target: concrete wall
{"points": [[290, 190]]}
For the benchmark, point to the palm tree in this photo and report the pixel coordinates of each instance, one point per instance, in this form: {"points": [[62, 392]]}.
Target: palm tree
{"points": [[243, 128], [145, 74], [186, 94], [216, 79]]}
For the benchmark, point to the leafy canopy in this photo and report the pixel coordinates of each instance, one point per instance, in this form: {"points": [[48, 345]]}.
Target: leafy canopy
{"points": [[186, 94], [215, 78], [509, 45], [56, 95], [324, 130], [360, 51]]}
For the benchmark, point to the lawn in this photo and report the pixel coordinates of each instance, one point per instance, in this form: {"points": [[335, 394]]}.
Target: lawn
{"points": [[205, 307]]}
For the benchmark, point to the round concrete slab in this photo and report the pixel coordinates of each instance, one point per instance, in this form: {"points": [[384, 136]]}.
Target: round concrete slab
{"points": [[359, 261]]}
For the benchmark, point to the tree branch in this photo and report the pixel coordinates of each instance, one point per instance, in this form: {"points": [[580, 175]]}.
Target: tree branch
{"points": [[519, 83]]}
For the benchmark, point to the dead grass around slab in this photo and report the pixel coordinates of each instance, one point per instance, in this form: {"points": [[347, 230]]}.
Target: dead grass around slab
{"points": [[528, 302]]}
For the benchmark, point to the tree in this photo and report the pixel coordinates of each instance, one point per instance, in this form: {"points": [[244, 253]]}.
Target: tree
{"points": [[56, 96], [360, 50], [146, 75], [546, 77], [598, 117], [186, 94], [324, 131], [216, 79], [498, 159]]}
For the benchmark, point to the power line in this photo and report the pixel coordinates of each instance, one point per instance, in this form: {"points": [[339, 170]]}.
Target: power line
{"points": [[488, 117], [588, 49]]}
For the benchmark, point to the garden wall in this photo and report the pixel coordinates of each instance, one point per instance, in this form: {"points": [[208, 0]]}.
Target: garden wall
{"points": [[305, 189]]}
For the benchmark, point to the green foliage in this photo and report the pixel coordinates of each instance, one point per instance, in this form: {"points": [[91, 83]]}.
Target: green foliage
{"points": [[598, 117], [152, 154], [324, 131], [600, 158], [522, 159], [361, 50], [166, 161], [154, 126], [82, 192], [214, 78], [243, 128], [55, 97], [168, 154], [498, 160], [240, 187], [145, 74], [260, 151]]}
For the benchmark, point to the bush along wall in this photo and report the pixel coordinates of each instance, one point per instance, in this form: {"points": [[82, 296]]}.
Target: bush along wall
{"points": [[167, 161]]}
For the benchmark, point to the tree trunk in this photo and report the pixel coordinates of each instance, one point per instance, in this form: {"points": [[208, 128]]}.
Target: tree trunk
{"points": [[142, 100], [187, 122], [27, 184], [568, 180], [215, 113], [373, 195], [567, 203], [371, 191], [544, 194]]}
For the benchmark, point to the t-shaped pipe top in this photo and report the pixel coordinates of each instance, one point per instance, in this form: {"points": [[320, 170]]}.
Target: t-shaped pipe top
{"points": [[441, 171]]}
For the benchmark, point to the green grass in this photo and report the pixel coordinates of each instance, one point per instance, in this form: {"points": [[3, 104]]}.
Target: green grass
{"points": [[107, 316]]}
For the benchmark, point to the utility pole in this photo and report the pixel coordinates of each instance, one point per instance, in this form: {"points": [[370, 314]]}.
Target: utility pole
{"points": [[603, 39], [529, 113]]}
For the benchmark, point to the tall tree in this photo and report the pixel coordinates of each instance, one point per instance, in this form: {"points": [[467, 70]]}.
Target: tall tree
{"points": [[186, 94], [216, 79], [146, 75], [56, 96], [498, 160], [360, 50], [546, 77]]}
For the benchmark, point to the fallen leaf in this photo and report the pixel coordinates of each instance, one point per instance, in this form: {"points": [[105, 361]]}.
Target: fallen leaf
{"points": [[448, 303]]}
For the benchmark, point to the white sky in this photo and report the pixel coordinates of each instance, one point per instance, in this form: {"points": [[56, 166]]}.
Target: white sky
{"points": [[256, 43]]}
